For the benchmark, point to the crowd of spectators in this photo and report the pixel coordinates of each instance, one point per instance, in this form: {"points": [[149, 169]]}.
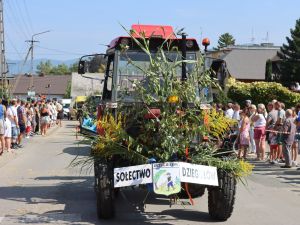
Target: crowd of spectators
{"points": [[24, 119], [258, 126]]}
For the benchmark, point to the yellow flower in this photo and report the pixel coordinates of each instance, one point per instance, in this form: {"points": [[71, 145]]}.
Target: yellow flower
{"points": [[173, 99], [245, 169]]}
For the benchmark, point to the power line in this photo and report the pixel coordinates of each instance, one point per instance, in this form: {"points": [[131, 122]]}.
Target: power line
{"points": [[19, 34], [60, 52], [28, 15], [17, 53], [36, 53], [22, 17], [14, 47], [57, 50], [19, 27]]}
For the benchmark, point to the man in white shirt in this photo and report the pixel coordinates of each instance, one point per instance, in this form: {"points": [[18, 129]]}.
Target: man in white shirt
{"points": [[229, 111], [236, 112], [297, 86], [13, 117], [60, 113]]}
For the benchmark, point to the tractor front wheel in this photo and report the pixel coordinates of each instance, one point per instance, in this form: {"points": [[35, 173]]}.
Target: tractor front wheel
{"points": [[221, 198]]}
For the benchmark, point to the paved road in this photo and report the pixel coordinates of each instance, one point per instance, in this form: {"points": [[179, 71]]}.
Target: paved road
{"points": [[37, 186]]}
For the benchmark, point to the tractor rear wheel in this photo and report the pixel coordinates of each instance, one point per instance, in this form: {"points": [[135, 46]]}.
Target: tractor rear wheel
{"points": [[221, 199]]}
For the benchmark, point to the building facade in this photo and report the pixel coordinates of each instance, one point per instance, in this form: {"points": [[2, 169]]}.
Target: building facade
{"points": [[244, 63]]}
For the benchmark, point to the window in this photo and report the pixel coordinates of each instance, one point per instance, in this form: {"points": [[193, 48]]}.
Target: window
{"points": [[128, 73]]}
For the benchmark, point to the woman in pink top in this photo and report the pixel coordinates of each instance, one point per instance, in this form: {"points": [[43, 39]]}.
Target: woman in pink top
{"points": [[244, 134], [260, 131]]}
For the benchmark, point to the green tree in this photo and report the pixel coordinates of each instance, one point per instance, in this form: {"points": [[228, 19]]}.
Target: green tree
{"points": [[97, 64], [44, 67], [268, 72], [47, 68], [74, 67], [61, 69], [68, 90], [225, 40], [290, 57]]}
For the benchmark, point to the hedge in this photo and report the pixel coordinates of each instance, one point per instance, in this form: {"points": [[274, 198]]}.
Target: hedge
{"points": [[261, 92]]}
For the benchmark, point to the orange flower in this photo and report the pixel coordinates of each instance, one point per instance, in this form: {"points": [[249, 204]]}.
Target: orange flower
{"points": [[206, 119]]}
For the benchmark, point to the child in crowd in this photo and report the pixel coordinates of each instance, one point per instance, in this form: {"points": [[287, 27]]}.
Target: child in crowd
{"points": [[28, 120], [273, 146], [244, 135], [28, 128]]}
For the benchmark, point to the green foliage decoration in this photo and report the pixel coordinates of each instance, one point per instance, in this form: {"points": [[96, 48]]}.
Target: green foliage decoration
{"points": [[166, 136]]}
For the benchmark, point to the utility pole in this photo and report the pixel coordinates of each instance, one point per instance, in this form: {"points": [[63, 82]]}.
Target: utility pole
{"points": [[30, 50], [3, 69]]}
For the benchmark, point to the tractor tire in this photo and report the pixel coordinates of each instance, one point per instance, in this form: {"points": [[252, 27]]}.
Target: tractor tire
{"points": [[221, 199], [104, 193]]}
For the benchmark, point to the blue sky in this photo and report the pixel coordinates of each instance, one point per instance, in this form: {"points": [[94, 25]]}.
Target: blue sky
{"points": [[79, 27]]}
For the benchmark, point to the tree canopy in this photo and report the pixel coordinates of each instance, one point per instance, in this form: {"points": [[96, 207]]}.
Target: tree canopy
{"points": [[225, 40], [68, 90], [61, 69], [290, 57]]}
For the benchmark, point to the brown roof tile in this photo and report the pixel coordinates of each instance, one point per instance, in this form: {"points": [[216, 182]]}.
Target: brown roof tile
{"points": [[58, 84]]}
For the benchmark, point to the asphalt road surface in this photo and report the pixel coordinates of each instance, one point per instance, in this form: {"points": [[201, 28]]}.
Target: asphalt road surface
{"points": [[37, 186]]}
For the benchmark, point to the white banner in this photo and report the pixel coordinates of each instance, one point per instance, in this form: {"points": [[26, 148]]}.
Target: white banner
{"points": [[133, 175], [198, 174]]}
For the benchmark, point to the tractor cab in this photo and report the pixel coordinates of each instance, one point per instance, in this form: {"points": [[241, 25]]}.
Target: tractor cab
{"points": [[120, 76]]}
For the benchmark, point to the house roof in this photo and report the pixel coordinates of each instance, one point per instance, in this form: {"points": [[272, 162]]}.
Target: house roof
{"points": [[247, 63], [52, 85]]}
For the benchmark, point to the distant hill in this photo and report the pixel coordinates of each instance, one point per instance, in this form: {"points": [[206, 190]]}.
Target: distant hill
{"points": [[16, 66]]}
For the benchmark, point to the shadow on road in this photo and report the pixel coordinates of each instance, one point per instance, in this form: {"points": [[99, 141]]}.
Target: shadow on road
{"points": [[133, 198], [74, 125], [73, 192], [189, 215], [76, 194], [78, 151], [289, 176]]}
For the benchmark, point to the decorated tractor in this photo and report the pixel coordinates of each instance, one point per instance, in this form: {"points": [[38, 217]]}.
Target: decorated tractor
{"points": [[155, 127]]}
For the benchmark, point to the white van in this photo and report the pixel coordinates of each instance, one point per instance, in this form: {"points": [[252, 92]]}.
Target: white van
{"points": [[66, 103]]}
